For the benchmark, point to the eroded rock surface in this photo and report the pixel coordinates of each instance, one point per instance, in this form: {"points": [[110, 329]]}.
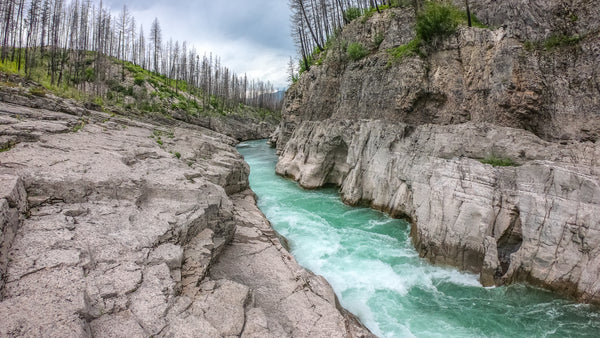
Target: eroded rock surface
{"points": [[112, 227]]}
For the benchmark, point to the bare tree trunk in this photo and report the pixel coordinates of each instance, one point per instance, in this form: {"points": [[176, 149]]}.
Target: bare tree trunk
{"points": [[20, 20], [312, 33], [303, 50], [7, 22], [468, 13]]}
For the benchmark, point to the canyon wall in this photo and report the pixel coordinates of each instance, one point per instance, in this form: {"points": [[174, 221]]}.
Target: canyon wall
{"points": [[409, 135]]}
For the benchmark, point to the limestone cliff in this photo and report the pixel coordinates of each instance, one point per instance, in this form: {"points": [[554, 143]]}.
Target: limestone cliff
{"points": [[407, 136], [111, 227]]}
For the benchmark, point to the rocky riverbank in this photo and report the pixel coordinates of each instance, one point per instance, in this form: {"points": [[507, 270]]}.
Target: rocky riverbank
{"points": [[115, 227], [410, 136]]}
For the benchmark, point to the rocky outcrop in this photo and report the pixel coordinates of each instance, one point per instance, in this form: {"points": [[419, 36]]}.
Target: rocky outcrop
{"points": [[113, 227], [408, 137], [537, 19], [239, 127]]}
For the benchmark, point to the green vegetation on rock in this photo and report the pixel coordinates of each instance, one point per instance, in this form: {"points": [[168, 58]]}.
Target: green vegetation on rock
{"points": [[408, 50], [553, 42], [495, 161], [352, 13], [356, 51], [6, 146], [79, 126], [441, 19], [561, 40], [435, 22]]}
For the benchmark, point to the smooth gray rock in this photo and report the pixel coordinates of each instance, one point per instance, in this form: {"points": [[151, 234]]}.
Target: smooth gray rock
{"points": [[281, 288]]}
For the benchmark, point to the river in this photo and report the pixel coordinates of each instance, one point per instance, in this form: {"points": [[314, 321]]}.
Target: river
{"points": [[376, 273]]}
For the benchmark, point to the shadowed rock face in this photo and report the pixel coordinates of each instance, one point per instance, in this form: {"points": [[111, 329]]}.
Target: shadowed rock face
{"points": [[407, 137], [111, 227]]}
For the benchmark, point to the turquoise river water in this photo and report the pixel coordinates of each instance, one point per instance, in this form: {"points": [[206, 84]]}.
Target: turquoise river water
{"points": [[369, 260]]}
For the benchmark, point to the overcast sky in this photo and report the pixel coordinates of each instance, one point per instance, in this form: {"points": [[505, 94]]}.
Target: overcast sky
{"points": [[250, 36]]}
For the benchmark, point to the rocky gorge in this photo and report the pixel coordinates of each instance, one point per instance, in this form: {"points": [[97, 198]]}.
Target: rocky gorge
{"points": [[422, 137], [112, 226]]}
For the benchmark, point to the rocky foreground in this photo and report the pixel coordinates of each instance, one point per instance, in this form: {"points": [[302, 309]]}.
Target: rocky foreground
{"points": [[112, 227], [408, 136]]}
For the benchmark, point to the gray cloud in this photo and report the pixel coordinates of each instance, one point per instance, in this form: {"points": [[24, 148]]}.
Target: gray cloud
{"points": [[250, 36]]}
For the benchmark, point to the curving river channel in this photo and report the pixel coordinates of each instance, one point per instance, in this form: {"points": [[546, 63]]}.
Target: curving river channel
{"points": [[369, 260]]}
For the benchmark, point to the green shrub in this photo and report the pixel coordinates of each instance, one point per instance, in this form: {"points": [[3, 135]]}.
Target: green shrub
{"points": [[356, 51], [90, 75], [438, 20], [352, 13], [98, 101], [378, 39], [412, 48], [552, 42], [560, 40], [139, 79], [400, 3], [499, 161], [529, 45], [6, 146], [177, 154], [38, 91], [79, 126]]}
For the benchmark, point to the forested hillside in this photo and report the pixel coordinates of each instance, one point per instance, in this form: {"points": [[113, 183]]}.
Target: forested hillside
{"points": [[79, 49]]}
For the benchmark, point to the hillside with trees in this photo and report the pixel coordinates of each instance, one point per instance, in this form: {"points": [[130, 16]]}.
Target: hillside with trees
{"points": [[315, 24], [78, 49]]}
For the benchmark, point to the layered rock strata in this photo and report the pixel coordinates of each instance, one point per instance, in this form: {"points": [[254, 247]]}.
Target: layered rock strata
{"points": [[112, 227], [407, 136]]}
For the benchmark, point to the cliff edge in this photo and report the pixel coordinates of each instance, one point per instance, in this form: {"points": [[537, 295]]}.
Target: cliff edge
{"points": [[486, 140]]}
